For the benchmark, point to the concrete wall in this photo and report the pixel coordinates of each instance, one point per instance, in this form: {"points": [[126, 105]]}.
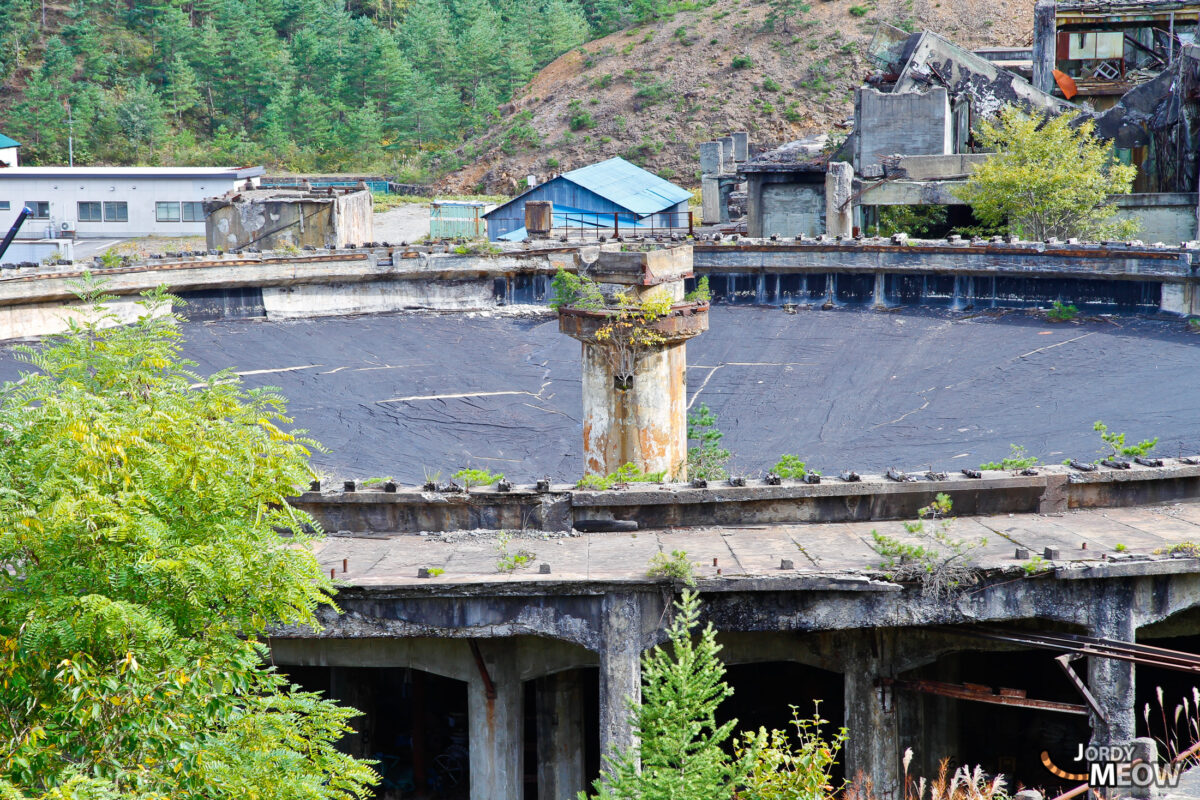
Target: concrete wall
{"points": [[25, 251], [139, 193], [787, 204], [1053, 489], [913, 123], [285, 222], [1167, 217]]}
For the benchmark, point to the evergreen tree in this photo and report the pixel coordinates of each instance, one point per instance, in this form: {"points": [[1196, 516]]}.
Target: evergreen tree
{"points": [[182, 90], [680, 747]]}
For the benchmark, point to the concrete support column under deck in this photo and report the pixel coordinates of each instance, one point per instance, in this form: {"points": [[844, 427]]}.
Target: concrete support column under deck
{"points": [[874, 745], [560, 736], [1111, 681], [496, 722], [620, 670], [839, 191]]}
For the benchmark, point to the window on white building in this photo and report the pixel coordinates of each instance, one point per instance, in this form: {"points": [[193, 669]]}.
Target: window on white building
{"points": [[40, 208], [166, 212], [5, 205], [89, 211], [193, 212], [116, 211]]}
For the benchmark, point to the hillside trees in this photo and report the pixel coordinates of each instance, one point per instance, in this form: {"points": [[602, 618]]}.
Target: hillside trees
{"points": [[140, 517], [305, 84]]}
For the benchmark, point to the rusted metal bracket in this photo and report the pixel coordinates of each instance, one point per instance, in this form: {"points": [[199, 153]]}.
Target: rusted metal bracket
{"points": [[984, 694], [489, 688], [1064, 661]]}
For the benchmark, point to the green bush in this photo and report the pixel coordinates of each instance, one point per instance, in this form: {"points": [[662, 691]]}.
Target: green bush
{"points": [[770, 85], [790, 466], [742, 62], [858, 11]]}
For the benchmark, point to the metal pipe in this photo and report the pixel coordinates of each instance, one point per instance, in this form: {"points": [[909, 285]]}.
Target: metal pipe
{"points": [[12, 232]]}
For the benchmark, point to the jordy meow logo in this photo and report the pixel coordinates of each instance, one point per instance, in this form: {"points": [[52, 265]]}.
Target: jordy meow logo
{"points": [[1116, 767]]}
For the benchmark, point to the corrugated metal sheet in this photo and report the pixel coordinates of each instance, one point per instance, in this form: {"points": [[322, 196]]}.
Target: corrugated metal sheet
{"points": [[456, 220], [628, 185]]}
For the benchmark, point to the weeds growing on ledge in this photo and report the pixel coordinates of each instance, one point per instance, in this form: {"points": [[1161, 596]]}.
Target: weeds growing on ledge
{"points": [[790, 466], [676, 567], [940, 567], [476, 477], [627, 473], [511, 561], [1018, 459]]}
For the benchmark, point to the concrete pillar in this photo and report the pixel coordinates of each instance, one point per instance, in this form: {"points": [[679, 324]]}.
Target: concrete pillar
{"points": [[725, 187], [741, 146], [634, 393], [495, 721], [874, 745], [620, 670], [839, 210], [1110, 681], [726, 153], [644, 423], [710, 199], [710, 158], [1044, 44], [560, 736]]}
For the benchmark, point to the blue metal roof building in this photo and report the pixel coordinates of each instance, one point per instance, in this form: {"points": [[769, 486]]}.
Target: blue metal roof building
{"points": [[592, 195]]}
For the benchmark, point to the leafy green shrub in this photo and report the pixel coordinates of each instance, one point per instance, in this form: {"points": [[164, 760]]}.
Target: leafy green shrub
{"points": [[676, 566], [435, 571], [742, 62], [790, 466], [574, 291], [652, 91], [1017, 459], [770, 85], [858, 11], [706, 460], [1062, 313], [784, 769], [1116, 442], [552, 163], [476, 477]]}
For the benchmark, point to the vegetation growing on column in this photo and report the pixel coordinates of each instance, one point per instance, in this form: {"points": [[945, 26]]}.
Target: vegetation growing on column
{"points": [[140, 521]]}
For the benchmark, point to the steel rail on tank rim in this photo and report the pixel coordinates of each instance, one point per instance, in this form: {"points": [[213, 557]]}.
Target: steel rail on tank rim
{"points": [[1146, 655]]}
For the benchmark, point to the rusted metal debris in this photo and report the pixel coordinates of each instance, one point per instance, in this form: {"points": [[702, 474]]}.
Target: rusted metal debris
{"points": [[984, 694], [1143, 654]]}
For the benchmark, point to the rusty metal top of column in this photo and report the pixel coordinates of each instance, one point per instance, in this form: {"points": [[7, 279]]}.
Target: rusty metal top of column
{"points": [[642, 268]]}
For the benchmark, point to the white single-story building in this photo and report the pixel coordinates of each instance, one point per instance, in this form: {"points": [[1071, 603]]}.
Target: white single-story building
{"points": [[8, 151], [118, 202]]}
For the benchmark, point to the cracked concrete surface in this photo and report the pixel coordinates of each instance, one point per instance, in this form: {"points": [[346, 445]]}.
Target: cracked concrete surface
{"points": [[1105, 538], [389, 395]]}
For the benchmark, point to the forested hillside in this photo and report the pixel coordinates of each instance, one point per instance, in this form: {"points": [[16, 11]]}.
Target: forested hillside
{"points": [[300, 84], [477, 93]]}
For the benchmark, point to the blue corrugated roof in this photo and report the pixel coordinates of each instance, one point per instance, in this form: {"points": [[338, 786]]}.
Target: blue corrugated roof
{"points": [[7, 142], [628, 185]]}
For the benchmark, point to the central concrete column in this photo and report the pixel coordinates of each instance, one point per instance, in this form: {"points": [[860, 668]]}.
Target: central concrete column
{"points": [[1111, 681], [495, 721], [620, 670], [635, 362], [643, 421], [874, 745], [560, 736]]}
